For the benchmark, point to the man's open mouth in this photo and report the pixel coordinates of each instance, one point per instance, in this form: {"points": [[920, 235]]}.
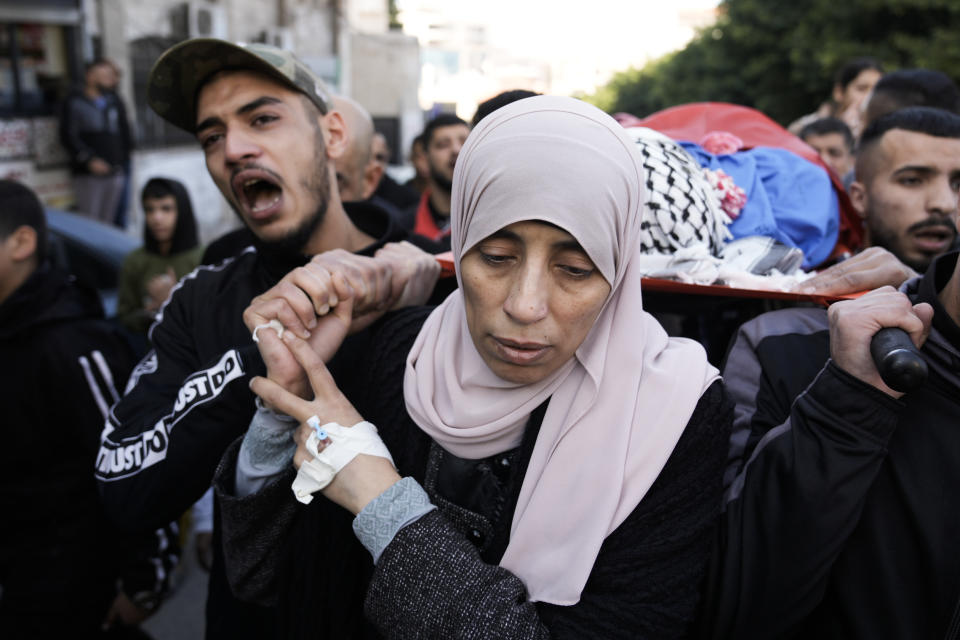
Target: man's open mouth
{"points": [[934, 238], [257, 191]]}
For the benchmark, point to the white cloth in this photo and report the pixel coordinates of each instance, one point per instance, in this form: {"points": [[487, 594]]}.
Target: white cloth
{"points": [[695, 265]]}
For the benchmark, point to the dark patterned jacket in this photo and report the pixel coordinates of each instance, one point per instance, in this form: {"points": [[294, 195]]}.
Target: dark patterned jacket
{"points": [[189, 398], [60, 558], [842, 516]]}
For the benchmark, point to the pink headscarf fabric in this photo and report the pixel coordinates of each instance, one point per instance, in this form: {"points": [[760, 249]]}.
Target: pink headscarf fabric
{"points": [[618, 408]]}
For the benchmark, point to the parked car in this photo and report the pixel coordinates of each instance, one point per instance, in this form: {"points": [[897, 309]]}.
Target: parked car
{"points": [[91, 251]]}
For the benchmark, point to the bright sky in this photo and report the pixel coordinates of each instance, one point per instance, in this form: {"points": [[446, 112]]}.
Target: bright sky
{"points": [[587, 39], [584, 42], [621, 32]]}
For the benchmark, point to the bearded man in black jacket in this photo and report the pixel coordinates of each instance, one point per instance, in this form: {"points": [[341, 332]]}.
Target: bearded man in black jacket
{"points": [[270, 139], [841, 515]]}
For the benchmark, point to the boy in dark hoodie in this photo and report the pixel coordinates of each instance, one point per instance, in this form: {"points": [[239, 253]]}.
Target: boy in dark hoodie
{"points": [[64, 571]]}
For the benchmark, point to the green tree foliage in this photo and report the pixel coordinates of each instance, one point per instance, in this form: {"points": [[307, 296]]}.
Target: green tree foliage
{"points": [[780, 56], [394, 13]]}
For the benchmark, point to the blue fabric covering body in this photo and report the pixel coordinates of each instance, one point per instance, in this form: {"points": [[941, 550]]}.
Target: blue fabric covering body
{"points": [[788, 198]]}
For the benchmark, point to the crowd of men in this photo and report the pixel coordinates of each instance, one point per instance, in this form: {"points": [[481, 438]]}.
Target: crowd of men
{"points": [[839, 515]]}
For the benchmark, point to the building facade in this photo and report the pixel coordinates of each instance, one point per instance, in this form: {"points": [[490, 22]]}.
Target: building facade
{"points": [[44, 45]]}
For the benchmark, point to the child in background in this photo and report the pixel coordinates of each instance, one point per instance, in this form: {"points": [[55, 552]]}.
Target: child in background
{"points": [[170, 251]]}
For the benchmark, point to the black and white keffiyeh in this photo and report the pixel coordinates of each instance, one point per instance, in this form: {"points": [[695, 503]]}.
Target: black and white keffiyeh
{"points": [[682, 209]]}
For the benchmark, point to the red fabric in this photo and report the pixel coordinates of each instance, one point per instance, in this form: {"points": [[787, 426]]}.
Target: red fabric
{"points": [[693, 121], [732, 198], [424, 225]]}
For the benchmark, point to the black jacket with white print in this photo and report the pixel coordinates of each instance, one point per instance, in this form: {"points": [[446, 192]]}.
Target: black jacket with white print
{"points": [[60, 558], [189, 398]]}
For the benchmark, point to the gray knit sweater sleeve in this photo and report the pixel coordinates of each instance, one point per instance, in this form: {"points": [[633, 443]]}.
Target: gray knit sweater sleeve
{"points": [[266, 452], [378, 523], [432, 582], [434, 571]]}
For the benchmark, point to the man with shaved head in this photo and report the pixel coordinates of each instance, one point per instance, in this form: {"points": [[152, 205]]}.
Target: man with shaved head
{"points": [[65, 572], [905, 189], [361, 169], [357, 176], [840, 514], [907, 182]]}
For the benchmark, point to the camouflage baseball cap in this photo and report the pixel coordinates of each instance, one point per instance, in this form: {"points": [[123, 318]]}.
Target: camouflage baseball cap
{"points": [[181, 70]]}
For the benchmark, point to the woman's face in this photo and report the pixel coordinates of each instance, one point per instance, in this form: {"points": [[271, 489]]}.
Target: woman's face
{"points": [[161, 217], [531, 296], [858, 89]]}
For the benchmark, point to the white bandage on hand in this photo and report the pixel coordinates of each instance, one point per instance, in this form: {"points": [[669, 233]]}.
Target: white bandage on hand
{"points": [[273, 324], [345, 444]]}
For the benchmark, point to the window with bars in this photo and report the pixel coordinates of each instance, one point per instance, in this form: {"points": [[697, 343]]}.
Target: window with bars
{"points": [[35, 67]]}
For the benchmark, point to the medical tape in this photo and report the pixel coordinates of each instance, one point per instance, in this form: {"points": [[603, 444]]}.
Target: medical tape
{"points": [[346, 443], [273, 324]]}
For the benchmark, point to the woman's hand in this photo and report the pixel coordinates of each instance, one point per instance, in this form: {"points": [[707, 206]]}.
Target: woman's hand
{"points": [[365, 477]]}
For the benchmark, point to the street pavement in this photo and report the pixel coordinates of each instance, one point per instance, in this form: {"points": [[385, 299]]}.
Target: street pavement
{"points": [[181, 615]]}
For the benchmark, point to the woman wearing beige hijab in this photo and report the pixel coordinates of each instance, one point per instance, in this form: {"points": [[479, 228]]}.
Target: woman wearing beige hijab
{"points": [[561, 456]]}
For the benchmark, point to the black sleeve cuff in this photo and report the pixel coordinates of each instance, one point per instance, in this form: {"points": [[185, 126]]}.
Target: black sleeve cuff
{"points": [[252, 361], [857, 403]]}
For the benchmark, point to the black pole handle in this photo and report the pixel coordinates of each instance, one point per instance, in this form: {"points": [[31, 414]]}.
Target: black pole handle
{"points": [[899, 362]]}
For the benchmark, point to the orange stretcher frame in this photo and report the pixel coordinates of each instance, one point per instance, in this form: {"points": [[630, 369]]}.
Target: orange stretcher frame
{"points": [[672, 286]]}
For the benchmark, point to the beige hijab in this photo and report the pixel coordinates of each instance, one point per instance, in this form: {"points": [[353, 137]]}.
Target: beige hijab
{"points": [[618, 408]]}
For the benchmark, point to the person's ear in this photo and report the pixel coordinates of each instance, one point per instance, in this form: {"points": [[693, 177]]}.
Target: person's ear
{"points": [[335, 134], [371, 178], [23, 243], [858, 198]]}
